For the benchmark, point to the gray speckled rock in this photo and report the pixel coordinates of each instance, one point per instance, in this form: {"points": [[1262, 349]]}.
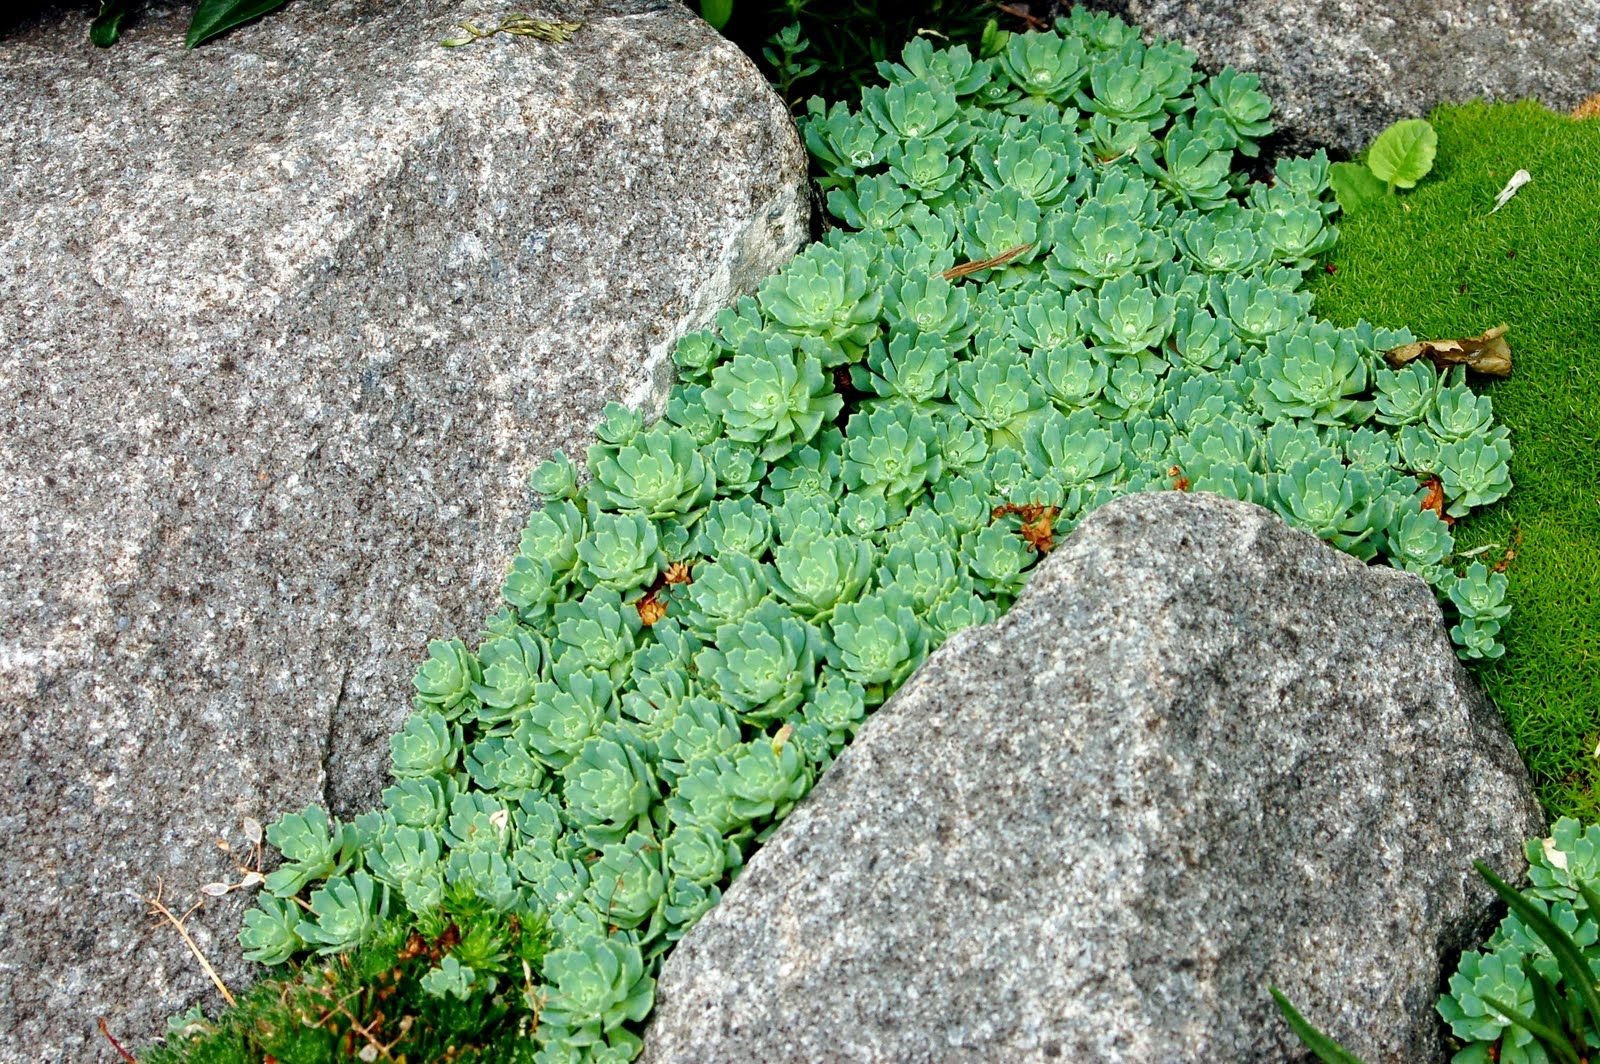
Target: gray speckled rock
{"points": [[1339, 71], [284, 323], [1204, 752]]}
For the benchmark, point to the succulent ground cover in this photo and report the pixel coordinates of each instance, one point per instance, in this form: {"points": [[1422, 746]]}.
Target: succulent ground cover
{"points": [[1052, 285], [1437, 260]]}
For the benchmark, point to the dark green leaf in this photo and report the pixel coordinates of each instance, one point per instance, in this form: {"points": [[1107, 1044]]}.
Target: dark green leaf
{"points": [[107, 25], [716, 12], [1553, 1040], [1322, 1047], [212, 17], [1568, 954], [1591, 900], [1549, 1007]]}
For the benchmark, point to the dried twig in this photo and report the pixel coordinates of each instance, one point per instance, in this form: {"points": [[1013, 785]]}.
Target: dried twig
{"points": [[158, 907], [1032, 21], [517, 26], [123, 1053], [960, 270]]}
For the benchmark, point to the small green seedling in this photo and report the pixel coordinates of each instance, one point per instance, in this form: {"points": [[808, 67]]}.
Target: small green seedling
{"points": [[782, 54], [1401, 156]]}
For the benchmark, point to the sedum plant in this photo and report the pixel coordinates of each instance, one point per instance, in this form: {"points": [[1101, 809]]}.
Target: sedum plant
{"points": [[1055, 287]]}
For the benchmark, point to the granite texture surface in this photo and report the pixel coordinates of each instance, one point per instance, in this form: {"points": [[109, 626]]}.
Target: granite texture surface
{"points": [[284, 323], [1339, 71], [1203, 753]]}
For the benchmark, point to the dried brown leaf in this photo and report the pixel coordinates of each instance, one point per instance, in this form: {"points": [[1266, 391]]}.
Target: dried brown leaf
{"points": [[651, 609], [1488, 354], [1434, 500], [1038, 523], [1589, 108]]}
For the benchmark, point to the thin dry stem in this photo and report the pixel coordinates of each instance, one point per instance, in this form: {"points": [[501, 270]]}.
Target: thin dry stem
{"points": [[962, 269], [157, 906], [123, 1053]]}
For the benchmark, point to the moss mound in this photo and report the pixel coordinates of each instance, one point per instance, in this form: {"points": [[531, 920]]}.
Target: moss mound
{"points": [[1437, 261]]}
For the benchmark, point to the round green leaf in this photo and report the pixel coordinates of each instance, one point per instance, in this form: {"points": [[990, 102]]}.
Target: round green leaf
{"points": [[1403, 154], [716, 12]]}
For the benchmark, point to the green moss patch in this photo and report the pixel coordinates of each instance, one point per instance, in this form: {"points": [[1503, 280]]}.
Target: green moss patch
{"points": [[1437, 261]]}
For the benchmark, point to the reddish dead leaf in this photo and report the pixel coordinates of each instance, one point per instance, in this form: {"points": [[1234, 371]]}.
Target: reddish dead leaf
{"points": [[415, 947], [1505, 562], [1488, 354], [651, 609], [1040, 534], [1037, 523], [1434, 500], [1179, 481], [961, 269]]}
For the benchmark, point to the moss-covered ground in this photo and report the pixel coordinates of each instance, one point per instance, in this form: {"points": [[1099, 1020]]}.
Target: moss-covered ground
{"points": [[1436, 260]]}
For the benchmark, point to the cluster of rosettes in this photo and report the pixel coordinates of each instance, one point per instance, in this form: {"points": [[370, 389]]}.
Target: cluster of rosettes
{"points": [[1054, 289]]}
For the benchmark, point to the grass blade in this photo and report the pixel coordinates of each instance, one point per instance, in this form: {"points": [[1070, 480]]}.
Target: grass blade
{"points": [[1322, 1047], [1550, 1007], [1553, 1040]]}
